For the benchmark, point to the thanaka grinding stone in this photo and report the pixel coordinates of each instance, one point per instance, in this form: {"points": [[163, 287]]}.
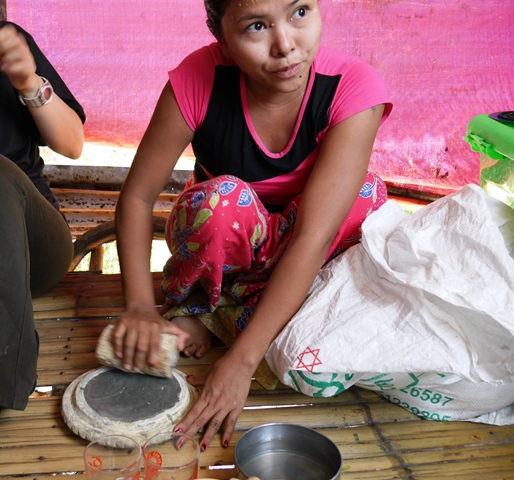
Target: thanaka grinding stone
{"points": [[110, 401]]}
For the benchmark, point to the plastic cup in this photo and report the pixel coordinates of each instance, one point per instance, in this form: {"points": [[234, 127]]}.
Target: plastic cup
{"points": [[113, 457], [171, 456]]}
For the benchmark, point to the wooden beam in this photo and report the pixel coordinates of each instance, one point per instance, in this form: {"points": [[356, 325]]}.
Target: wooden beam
{"points": [[104, 178], [86, 209], [3, 10]]}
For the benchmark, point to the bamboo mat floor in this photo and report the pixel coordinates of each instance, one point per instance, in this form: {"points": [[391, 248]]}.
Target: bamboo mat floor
{"points": [[378, 440]]}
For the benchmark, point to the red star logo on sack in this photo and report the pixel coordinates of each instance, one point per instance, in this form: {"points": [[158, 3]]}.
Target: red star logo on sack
{"points": [[308, 359]]}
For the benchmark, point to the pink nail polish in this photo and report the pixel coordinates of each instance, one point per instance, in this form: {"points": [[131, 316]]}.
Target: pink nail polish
{"points": [[203, 447], [178, 430], [225, 444]]}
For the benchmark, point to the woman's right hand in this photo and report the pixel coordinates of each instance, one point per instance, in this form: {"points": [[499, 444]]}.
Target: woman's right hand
{"points": [[17, 62], [137, 337]]}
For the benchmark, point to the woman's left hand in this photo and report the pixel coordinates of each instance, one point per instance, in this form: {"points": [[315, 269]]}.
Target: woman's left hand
{"points": [[221, 401]]}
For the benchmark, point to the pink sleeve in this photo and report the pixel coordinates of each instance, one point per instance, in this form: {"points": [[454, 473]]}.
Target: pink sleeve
{"points": [[192, 81], [361, 87]]}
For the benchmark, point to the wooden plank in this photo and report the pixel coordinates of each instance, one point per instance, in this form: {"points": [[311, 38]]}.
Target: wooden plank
{"points": [[62, 369], [365, 452], [369, 452], [68, 345], [48, 446], [41, 422], [85, 312], [457, 455], [43, 410], [224, 473], [437, 435], [495, 468], [86, 294]]}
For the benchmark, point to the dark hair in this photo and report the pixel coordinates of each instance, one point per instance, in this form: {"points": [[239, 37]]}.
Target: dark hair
{"points": [[215, 10]]}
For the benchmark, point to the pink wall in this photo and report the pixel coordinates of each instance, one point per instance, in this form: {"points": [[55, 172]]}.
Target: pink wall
{"points": [[444, 62]]}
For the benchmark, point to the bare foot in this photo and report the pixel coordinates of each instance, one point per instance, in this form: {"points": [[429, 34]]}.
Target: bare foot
{"points": [[199, 336]]}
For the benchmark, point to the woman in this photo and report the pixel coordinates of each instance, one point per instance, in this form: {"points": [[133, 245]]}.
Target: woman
{"points": [[282, 132]]}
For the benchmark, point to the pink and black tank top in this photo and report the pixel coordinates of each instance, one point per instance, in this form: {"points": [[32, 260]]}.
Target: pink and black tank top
{"points": [[211, 94]]}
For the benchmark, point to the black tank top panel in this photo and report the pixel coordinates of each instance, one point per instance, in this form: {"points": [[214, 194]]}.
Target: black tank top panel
{"points": [[224, 145]]}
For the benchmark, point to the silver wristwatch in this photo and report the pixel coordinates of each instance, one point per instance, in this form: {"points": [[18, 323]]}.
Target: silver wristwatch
{"points": [[43, 95]]}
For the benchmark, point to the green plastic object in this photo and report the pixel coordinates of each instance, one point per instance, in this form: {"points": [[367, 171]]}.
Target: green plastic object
{"points": [[494, 140]]}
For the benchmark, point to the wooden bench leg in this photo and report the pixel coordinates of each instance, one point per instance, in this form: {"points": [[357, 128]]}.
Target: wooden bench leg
{"points": [[96, 262]]}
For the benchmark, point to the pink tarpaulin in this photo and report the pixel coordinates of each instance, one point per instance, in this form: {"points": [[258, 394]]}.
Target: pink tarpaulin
{"points": [[444, 62]]}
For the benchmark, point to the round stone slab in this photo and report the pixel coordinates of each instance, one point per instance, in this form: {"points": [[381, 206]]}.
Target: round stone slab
{"points": [[108, 401]]}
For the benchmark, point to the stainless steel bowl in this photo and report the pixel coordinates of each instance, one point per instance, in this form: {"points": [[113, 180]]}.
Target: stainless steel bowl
{"points": [[282, 451]]}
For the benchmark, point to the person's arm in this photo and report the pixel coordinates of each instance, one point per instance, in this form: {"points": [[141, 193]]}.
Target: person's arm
{"points": [[137, 334], [59, 125], [329, 194]]}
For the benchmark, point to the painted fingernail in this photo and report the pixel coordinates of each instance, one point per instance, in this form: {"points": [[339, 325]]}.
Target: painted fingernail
{"points": [[225, 444], [190, 377], [203, 447], [178, 430]]}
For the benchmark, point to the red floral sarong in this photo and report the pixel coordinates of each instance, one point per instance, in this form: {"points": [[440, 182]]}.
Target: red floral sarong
{"points": [[224, 246]]}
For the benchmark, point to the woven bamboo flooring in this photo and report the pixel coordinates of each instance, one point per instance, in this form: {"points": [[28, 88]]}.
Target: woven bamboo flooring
{"points": [[378, 440]]}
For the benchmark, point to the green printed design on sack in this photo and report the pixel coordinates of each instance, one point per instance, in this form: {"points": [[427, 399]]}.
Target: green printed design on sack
{"points": [[384, 382], [414, 392], [410, 394], [427, 395], [319, 384], [380, 382], [416, 411]]}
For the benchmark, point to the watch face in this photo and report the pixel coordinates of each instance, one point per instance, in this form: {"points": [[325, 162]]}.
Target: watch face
{"points": [[47, 93], [43, 96]]}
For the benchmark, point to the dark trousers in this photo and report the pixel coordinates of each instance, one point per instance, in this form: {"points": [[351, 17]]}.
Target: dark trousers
{"points": [[35, 253]]}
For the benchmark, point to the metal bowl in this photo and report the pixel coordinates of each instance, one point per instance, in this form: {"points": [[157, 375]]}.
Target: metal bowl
{"points": [[282, 451]]}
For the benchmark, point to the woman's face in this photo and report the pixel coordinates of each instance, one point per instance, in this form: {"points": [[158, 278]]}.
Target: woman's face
{"points": [[274, 42]]}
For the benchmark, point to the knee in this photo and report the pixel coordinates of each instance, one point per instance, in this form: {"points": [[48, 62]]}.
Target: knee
{"points": [[215, 206], [226, 187], [225, 196], [12, 178]]}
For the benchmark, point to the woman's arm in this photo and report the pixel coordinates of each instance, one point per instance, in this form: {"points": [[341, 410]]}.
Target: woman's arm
{"points": [[339, 173], [137, 334], [58, 124]]}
